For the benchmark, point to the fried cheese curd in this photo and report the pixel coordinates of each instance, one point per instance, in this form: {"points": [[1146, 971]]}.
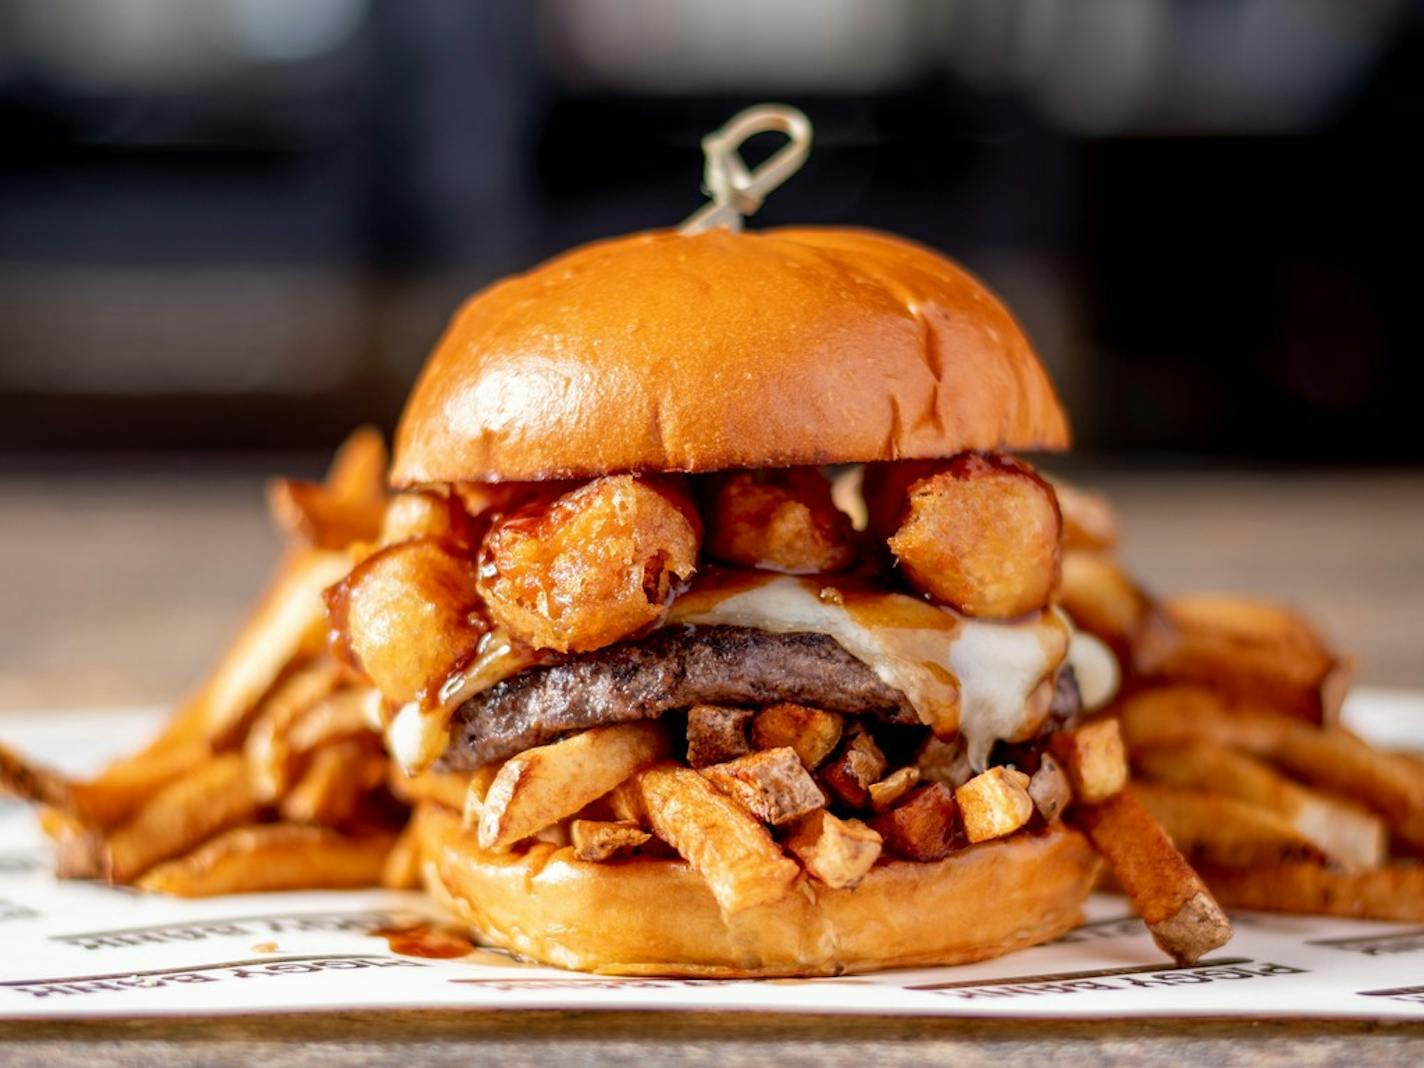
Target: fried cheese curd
{"points": [[593, 565], [781, 520], [567, 567], [980, 533]]}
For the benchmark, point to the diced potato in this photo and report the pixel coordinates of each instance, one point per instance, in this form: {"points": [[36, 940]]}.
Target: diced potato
{"points": [[813, 733], [716, 733], [1048, 788], [771, 784], [885, 793], [858, 764], [944, 762], [838, 852], [597, 841], [924, 827], [994, 804], [1094, 757]]}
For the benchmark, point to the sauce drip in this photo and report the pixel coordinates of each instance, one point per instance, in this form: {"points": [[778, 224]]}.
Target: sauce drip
{"points": [[425, 940]]}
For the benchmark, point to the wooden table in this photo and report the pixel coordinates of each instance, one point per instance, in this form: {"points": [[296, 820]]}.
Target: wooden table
{"points": [[119, 586]]}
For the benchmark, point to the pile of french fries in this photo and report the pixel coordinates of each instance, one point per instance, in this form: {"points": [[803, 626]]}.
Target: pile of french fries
{"points": [[270, 777], [1230, 711]]}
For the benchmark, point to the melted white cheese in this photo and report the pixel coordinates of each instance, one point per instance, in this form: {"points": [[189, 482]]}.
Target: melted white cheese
{"points": [[986, 680], [1096, 669], [418, 734]]}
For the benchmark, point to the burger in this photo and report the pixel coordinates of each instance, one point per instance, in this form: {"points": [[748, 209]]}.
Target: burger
{"points": [[713, 616]]}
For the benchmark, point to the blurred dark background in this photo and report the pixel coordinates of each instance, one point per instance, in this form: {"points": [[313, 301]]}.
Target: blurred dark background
{"points": [[240, 224]]}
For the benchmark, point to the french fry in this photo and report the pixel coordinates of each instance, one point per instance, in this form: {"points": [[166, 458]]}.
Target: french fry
{"points": [[1213, 829], [1349, 836], [401, 868], [1327, 757], [116, 792], [980, 534], [1393, 892], [288, 622], [923, 827], [591, 566], [1102, 600], [1247, 647], [106, 800], [1094, 757], [733, 852], [598, 841], [812, 732], [33, 782], [331, 788], [449, 788], [784, 520], [772, 784], [994, 804], [888, 791], [347, 507], [541, 786], [271, 757], [1088, 519], [274, 856], [210, 798], [858, 764], [1183, 917], [1048, 788], [625, 803], [716, 733], [838, 852], [78, 846]]}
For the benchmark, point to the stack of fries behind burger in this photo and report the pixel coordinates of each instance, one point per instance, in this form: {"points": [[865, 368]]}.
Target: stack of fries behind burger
{"points": [[709, 627], [1230, 709]]}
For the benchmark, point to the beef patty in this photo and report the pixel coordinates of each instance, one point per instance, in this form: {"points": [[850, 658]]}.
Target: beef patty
{"points": [[674, 667]]}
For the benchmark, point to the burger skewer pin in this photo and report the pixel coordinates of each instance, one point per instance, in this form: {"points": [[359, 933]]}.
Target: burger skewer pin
{"points": [[735, 190]]}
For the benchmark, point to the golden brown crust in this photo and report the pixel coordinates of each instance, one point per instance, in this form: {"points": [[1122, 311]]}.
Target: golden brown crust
{"points": [[661, 352], [649, 916]]}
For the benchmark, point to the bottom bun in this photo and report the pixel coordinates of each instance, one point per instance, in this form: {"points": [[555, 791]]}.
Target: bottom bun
{"points": [[647, 916]]}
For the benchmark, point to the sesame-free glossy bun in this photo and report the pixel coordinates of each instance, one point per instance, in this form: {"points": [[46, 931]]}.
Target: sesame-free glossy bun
{"points": [[663, 352], [646, 916]]}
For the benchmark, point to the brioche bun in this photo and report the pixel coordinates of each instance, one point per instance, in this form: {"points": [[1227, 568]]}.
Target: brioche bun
{"points": [[663, 352], [646, 916]]}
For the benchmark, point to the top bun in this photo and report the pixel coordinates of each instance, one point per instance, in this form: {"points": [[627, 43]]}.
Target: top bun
{"points": [[664, 352]]}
